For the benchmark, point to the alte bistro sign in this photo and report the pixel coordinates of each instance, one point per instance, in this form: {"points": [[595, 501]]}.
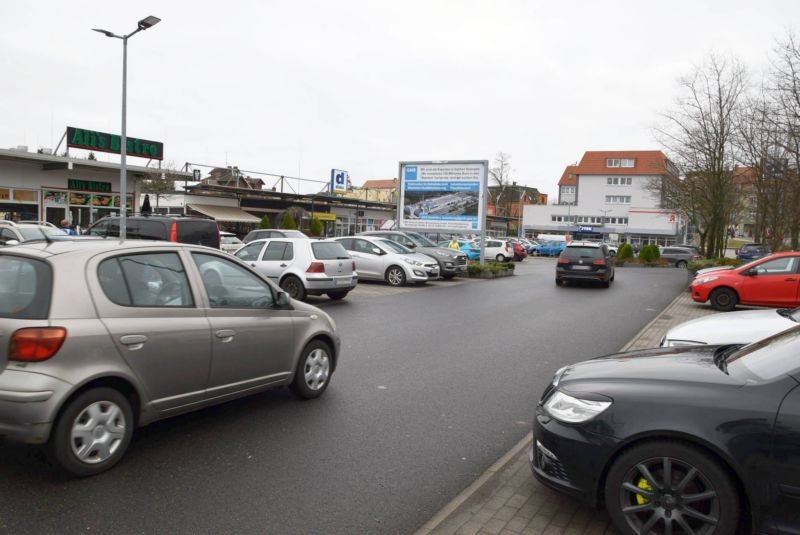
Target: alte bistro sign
{"points": [[102, 142]]}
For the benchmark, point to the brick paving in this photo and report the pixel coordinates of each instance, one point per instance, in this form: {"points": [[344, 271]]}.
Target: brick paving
{"points": [[507, 500]]}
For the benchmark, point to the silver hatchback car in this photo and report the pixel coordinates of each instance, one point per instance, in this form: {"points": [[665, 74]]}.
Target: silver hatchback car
{"points": [[302, 266], [98, 337]]}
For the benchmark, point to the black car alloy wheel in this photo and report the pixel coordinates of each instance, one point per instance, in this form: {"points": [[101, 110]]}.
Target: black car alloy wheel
{"points": [[668, 488]]}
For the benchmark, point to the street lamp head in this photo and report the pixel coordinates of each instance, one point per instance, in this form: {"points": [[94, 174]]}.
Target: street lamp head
{"points": [[148, 22], [104, 32]]}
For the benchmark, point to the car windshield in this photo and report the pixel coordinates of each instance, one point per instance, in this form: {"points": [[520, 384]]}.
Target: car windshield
{"points": [[394, 247], [420, 240], [231, 239], [32, 233], [769, 358], [293, 234], [329, 250]]}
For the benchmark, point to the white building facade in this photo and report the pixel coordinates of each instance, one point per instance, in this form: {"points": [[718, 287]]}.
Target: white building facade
{"points": [[611, 195]]}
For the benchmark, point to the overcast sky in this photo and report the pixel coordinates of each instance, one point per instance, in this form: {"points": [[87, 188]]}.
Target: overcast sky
{"points": [[299, 87]]}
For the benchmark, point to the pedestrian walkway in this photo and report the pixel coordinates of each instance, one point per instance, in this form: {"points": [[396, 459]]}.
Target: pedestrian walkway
{"points": [[507, 500]]}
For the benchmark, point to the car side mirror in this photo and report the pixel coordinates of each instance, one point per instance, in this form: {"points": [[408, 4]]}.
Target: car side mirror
{"points": [[752, 272], [377, 251], [411, 245], [282, 300], [12, 242]]}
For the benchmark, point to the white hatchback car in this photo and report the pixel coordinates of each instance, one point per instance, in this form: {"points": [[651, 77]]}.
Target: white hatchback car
{"points": [[383, 259], [301, 266], [229, 243], [742, 327], [497, 248]]}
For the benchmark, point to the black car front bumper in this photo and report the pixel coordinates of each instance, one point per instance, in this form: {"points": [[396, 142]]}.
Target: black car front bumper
{"points": [[568, 458]]}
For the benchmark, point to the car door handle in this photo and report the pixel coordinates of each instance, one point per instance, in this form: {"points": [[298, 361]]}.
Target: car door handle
{"points": [[790, 279], [252, 264], [225, 335], [133, 341], [284, 265]]}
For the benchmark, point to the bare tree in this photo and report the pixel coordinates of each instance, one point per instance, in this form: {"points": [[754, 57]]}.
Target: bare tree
{"points": [[763, 180], [785, 78], [501, 180], [161, 182], [698, 133]]}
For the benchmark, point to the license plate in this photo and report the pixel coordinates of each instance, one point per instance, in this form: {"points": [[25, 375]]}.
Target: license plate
{"points": [[343, 282], [583, 268]]}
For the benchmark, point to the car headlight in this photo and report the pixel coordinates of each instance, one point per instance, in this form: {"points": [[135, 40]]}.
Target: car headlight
{"points": [[412, 262], [566, 408], [703, 280]]}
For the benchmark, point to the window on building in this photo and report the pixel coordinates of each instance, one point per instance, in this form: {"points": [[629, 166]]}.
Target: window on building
{"points": [[26, 195], [627, 162], [618, 199], [612, 163], [630, 181]]}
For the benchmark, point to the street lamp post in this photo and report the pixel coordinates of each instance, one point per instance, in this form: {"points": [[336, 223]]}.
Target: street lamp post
{"points": [[145, 23]]}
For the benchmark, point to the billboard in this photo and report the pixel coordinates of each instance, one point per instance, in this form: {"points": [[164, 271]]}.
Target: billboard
{"points": [[81, 138], [339, 180], [443, 195]]}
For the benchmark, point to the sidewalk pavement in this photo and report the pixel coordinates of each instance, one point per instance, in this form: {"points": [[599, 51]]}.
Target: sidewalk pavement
{"points": [[507, 500]]}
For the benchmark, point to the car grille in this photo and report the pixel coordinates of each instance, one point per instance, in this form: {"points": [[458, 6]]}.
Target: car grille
{"points": [[551, 467], [461, 260]]}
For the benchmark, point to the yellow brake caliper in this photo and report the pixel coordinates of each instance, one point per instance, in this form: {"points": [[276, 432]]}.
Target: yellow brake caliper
{"points": [[644, 485]]}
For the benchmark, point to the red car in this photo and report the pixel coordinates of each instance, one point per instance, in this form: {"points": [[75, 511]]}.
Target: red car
{"points": [[772, 281], [519, 251]]}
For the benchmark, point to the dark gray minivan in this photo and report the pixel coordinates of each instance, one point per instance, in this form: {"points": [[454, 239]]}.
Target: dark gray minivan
{"points": [[193, 230]]}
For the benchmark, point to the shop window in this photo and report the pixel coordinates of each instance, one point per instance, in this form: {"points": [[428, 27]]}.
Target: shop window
{"points": [[26, 195], [5, 194]]}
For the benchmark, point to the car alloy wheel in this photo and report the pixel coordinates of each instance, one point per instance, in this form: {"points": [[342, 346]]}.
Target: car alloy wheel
{"points": [[313, 372], [395, 276], [670, 487]]}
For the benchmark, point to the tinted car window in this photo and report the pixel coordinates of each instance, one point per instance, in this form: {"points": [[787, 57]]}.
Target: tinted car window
{"points": [[328, 251], [288, 253], [347, 243], [275, 250], [99, 229], [7, 234], [576, 253], [146, 230], [31, 233], [778, 266], [229, 285], [250, 251], [200, 232], [25, 287], [148, 280]]}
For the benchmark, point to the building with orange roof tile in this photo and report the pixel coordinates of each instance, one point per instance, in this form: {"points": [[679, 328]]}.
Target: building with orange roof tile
{"points": [[610, 194]]}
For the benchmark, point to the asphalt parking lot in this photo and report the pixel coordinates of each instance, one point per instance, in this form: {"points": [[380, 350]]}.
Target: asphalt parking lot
{"points": [[435, 383]]}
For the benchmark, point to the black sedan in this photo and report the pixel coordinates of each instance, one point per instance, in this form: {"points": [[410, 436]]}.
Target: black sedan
{"points": [[679, 440]]}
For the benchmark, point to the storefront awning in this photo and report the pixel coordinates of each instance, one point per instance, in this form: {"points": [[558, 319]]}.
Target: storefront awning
{"points": [[229, 214]]}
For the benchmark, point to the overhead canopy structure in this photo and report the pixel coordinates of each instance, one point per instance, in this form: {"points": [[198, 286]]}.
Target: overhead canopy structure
{"points": [[229, 214]]}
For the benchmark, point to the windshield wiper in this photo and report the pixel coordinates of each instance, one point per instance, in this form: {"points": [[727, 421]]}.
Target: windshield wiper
{"points": [[721, 355]]}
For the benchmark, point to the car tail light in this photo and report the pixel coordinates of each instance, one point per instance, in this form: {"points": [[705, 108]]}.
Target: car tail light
{"points": [[695, 257], [599, 262], [354, 265], [36, 344], [173, 232], [563, 260], [317, 267]]}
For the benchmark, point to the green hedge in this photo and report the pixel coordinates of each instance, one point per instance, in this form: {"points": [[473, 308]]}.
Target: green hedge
{"points": [[475, 267], [696, 265]]}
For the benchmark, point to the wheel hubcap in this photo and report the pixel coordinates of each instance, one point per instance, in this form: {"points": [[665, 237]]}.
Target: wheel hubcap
{"points": [[317, 369], [665, 495], [292, 289], [97, 432]]}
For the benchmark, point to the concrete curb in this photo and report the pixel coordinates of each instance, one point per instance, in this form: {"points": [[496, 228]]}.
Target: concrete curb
{"points": [[465, 494]]}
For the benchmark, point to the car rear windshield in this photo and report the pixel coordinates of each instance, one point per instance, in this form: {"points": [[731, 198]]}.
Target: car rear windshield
{"points": [[25, 287], [200, 232], [329, 251], [576, 253]]}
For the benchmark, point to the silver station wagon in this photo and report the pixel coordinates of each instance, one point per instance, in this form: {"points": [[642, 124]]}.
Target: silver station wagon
{"points": [[98, 337]]}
